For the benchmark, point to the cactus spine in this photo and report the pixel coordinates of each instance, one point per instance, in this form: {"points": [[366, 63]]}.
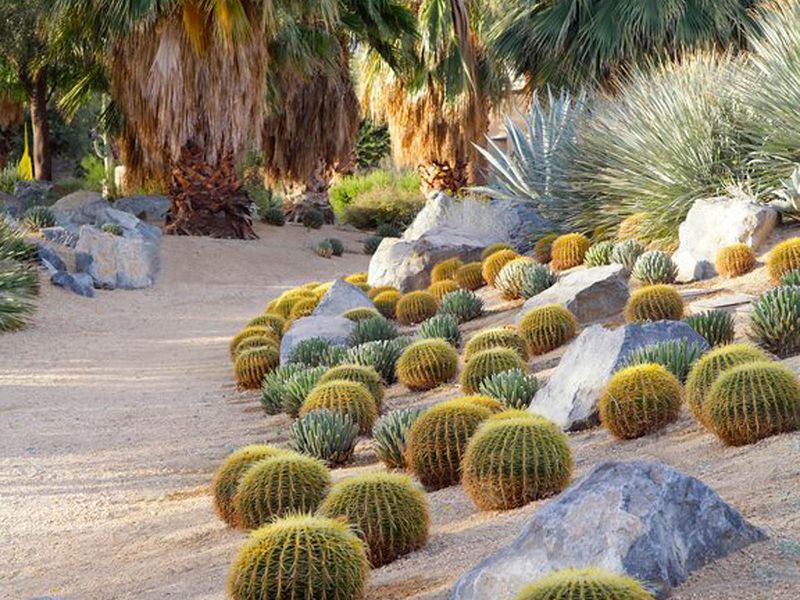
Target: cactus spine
{"points": [[584, 584], [783, 258], [547, 327], [735, 260], [346, 397], [568, 251], [446, 269], [496, 337], [492, 264], [470, 277], [654, 303], [367, 376], [252, 365], [484, 364], [415, 307]]}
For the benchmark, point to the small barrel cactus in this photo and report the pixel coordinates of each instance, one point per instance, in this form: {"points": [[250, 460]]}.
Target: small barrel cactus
{"points": [[783, 258], [251, 331], [252, 365], [547, 327], [386, 303], [324, 249], [568, 251], [313, 219], [427, 364], [336, 245], [484, 364], [280, 485], [446, 269], [381, 356], [388, 510], [371, 330], [284, 304], [584, 584], [493, 264], [298, 386], [599, 254], [735, 260], [348, 397], [441, 326], [754, 401], [514, 388], [464, 305], [496, 247], [511, 462], [654, 303], [655, 267], [367, 376], [469, 276], [716, 326], [496, 337], [415, 307], [536, 279], [273, 387], [356, 278], [775, 318], [379, 289], [271, 320], [625, 253], [443, 287], [542, 249], [325, 434], [302, 308], [255, 341], [389, 436], [639, 400], [360, 314], [371, 244], [677, 356], [438, 439], [300, 556]]}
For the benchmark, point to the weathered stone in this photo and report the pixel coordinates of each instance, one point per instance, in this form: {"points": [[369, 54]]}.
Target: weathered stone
{"points": [[335, 329], [591, 294], [570, 397], [11, 205], [131, 225], [117, 262], [66, 235], [341, 297], [81, 208], [147, 208], [714, 223], [32, 193], [49, 255], [723, 302], [80, 283]]}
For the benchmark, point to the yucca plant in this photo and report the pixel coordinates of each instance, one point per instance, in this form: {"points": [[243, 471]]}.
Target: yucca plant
{"points": [[441, 326], [716, 326], [677, 356], [514, 388], [389, 435], [775, 320], [325, 434]]}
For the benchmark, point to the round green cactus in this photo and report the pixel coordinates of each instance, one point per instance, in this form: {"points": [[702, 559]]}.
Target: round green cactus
{"points": [[388, 510], [735, 260], [774, 320], [463, 305], [493, 264], [496, 337], [514, 388], [271, 320], [469, 276], [446, 269], [441, 288], [252, 365], [389, 436], [542, 249], [716, 326], [547, 327], [496, 247], [654, 303], [226, 479], [655, 267], [415, 307], [367, 376], [300, 556], [536, 279], [599, 254], [626, 252], [279, 485], [584, 584], [371, 330], [639, 400], [511, 462], [438, 439], [568, 251], [256, 341], [360, 314], [484, 364], [783, 258], [324, 249], [386, 303], [252, 331], [347, 397], [325, 434], [441, 326], [427, 364]]}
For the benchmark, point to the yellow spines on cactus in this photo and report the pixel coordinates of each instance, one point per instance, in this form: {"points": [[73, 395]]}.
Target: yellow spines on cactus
{"points": [[300, 556], [542, 248], [568, 251], [322, 289], [440, 289], [283, 484], [388, 510], [386, 303], [631, 227], [754, 401], [348, 397], [273, 321], [416, 307], [283, 306], [514, 413], [251, 331], [496, 247], [446, 269], [367, 376], [584, 584], [509, 463], [438, 438], [487, 363], [654, 303], [639, 400], [493, 404], [496, 337], [426, 364], [303, 308], [379, 289], [470, 277], [356, 278], [735, 260], [226, 479], [251, 366], [547, 327], [255, 341], [362, 313], [783, 258], [493, 263]]}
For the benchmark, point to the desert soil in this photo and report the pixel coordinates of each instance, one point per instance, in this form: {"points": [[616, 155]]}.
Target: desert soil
{"points": [[114, 413]]}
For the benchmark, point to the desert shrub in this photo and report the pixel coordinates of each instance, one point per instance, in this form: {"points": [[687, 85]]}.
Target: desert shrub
{"points": [[509, 463], [273, 387], [415, 307], [300, 556], [427, 364], [347, 397], [514, 388], [441, 326], [388, 230], [493, 263], [542, 249], [389, 511], [584, 584], [360, 314], [373, 329], [273, 216], [484, 364], [446, 269], [367, 376], [381, 356], [568, 251], [774, 320], [735, 260], [389, 436], [496, 247], [463, 305], [13, 245], [386, 303], [783, 258], [314, 352], [298, 386], [655, 267], [371, 244], [716, 326], [654, 303], [496, 337], [677, 356], [441, 288], [510, 278], [469, 276], [598, 254], [252, 365], [271, 320], [313, 219], [626, 253], [536, 279], [325, 434], [39, 217], [19, 285], [365, 201], [547, 327]]}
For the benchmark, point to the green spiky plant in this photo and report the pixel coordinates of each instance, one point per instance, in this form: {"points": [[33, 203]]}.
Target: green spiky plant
{"points": [[464, 305], [371, 330], [754, 401], [639, 400], [360, 314], [348, 397], [536, 280], [509, 463], [443, 287], [300, 556], [415, 307], [270, 320], [677, 356], [791, 277], [484, 364], [775, 320], [381, 356], [336, 245], [371, 244], [388, 510], [510, 279], [273, 387], [716, 326], [314, 352], [227, 477], [470, 277], [655, 267], [252, 365], [13, 245], [427, 364], [251, 331], [599, 254], [735, 260], [542, 249], [626, 253], [19, 285], [328, 435], [438, 439], [547, 327], [38, 217], [389, 436], [584, 584], [367, 376], [386, 303], [324, 249], [441, 326], [568, 251], [298, 386], [493, 264], [112, 229], [446, 269], [496, 337], [388, 230], [496, 247], [514, 388], [654, 303]]}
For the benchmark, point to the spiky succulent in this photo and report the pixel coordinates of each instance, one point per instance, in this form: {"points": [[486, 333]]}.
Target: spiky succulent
{"points": [[791, 277], [324, 249], [655, 267], [298, 386], [584, 584], [273, 321], [388, 510], [13, 245], [337, 245], [446, 269], [775, 320], [626, 252], [469, 276], [443, 287], [427, 364], [314, 352], [360, 314], [381, 356], [386, 303], [496, 247], [484, 364], [389, 436], [735, 260], [273, 387], [654, 303], [371, 244], [379, 289], [358, 277], [542, 249], [716, 326], [415, 307], [464, 305], [514, 388], [251, 331], [537, 279], [313, 218], [493, 264], [253, 364], [496, 337], [328, 435], [510, 279], [783, 258], [599, 254], [568, 251], [364, 375], [348, 397], [545, 328], [254, 342], [441, 326], [19, 285], [677, 356], [39, 217], [371, 330]]}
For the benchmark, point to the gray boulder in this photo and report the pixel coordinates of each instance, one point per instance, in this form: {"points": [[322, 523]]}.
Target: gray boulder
{"points": [[147, 208], [642, 519], [50, 257], [570, 397], [80, 283], [117, 262], [66, 235], [335, 329], [32, 193], [712, 224], [81, 208], [591, 294], [131, 225], [11, 205], [341, 297]]}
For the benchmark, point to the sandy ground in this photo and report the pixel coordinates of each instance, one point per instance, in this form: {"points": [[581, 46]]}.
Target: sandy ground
{"points": [[114, 413]]}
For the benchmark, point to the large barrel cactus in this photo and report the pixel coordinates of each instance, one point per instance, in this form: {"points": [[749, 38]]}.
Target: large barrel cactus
{"points": [[783, 258], [568, 251], [496, 337], [469, 276], [735, 260], [415, 307], [427, 364], [654, 303], [348, 397], [547, 327], [484, 364], [386, 303], [253, 364], [446, 269], [584, 584], [362, 374], [441, 288], [493, 263]]}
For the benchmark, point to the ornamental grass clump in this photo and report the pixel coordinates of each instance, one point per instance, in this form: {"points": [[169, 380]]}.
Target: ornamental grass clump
{"points": [[463, 305], [547, 327], [390, 433], [584, 584], [484, 364], [441, 326], [446, 269], [347, 397], [655, 267], [735, 260], [469, 276], [716, 326], [568, 251], [514, 388], [427, 364], [493, 264], [654, 303], [496, 337], [775, 320], [415, 307], [325, 434]]}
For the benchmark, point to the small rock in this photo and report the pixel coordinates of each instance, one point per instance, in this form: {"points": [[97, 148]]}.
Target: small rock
{"points": [[335, 329], [65, 236], [341, 297], [48, 254], [642, 519], [80, 283], [147, 208], [727, 301], [117, 262], [81, 208]]}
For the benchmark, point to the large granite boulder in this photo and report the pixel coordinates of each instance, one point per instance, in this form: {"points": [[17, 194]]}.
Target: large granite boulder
{"points": [[591, 294], [645, 520], [570, 397], [80, 208], [712, 224], [341, 297], [446, 227], [335, 329], [147, 208], [115, 261]]}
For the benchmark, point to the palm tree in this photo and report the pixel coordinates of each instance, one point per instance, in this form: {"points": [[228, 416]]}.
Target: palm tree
{"points": [[11, 117]]}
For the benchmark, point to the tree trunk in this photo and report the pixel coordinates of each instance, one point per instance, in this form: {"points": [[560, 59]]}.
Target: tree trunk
{"points": [[42, 157], [441, 177], [312, 195]]}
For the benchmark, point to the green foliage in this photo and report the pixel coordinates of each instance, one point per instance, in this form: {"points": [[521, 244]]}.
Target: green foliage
{"points": [[314, 352], [388, 230], [716, 326], [626, 253], [514, 388], [510, 279], [441, 326], [639, 400], [791, 277], [371, 330], [300, 556], [371, 244], [484, 364], [313, 219], [584, 584], [273, 387], [367, 376], [367, 201], [252, 365], [677, 356], [381, 356], [325, 434], [348, 397], [39, 217], [568, 251], [415, 307], [547, 327], [336, 245], [536, 279], [361, 314], [655, 267], [463, 305], [324, 249], [372, 145], [509, 463], [93, 173], [774, 320], [599, 254], [427, 364], [298, 386], [469, 276], [13, 245], [19, 285], [389, 436], [388, 510], [496, 337], [8, 179], [274, 216], [654, 303], [493, 263], [754, 401], [112, 228]]}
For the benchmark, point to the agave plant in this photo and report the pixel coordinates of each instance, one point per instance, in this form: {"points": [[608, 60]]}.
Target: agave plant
{"points": [[514, 388], [19, 284], [788, 202], [389, 435], [677, 356], [325, 434]]}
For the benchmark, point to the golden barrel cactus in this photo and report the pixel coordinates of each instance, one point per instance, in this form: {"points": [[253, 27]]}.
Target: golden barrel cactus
{"points": [[654, 303], [735, 260], [568, 251], [545, 328]]}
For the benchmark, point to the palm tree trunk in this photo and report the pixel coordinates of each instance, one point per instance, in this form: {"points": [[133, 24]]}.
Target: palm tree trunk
{"points": [[442, 177], [311, 195], [42, 155]]}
